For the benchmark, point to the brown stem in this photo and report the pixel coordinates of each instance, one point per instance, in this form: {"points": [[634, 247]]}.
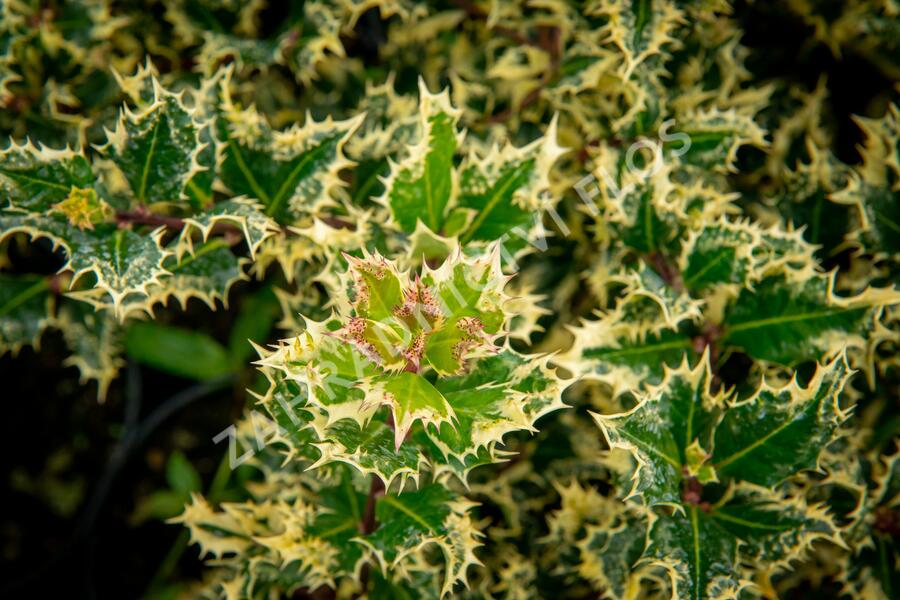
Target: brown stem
{"points": [[376, 491], [338, 223], [142, 216], [665, 269], [887, 520]]}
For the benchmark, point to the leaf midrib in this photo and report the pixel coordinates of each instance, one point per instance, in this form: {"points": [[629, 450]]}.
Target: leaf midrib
{"points": [[142, 192], [492, 203], [25, 295], [412, 515], [672, 345], [747, 325]]}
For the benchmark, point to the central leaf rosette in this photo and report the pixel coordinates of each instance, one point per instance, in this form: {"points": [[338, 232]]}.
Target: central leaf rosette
{"points": [[397, 335], [412, 326]]}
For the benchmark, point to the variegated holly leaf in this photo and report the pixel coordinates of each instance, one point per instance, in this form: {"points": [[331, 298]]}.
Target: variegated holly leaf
{"points": [[872, 188], [365, 444], [158, 148], [303, 47], [122, 262], [504, 190], [716, 136], [651, 304], [719, 253], [701, 560], [630, 345], [867, 571], [680, 428], [205, 272], [505, 392], [642, 209], [471, 306], [414, 521], [659, 430], [330, 369], [25, 311], [606, 536], [390, 125], [288, 541], [788, 320], [440, 318], [293, 172], [38, 179], [242, 213], [877, 215], [371, 448], [639, 32], [95, 341], [398, 330], [422, 185], [606, 350], [704, 549]]}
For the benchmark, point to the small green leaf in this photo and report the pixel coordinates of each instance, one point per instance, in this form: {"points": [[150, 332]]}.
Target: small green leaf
{"points": [[420, 187], [181, 474], [177, 351]]}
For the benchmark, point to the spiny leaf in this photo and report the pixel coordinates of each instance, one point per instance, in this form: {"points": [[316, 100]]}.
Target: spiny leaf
{"points": [[293, 172], [414, 520], [37, 178], [789, 320], [25, 305], [157, 148], [95, 341], [422, 185], [763, 439], [506, 188]]}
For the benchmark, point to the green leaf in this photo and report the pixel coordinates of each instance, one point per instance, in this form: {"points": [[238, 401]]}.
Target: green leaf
{"points": [[700, 559], [507, 187], [429, 515], [421, 186], [763, 439], [773, 529], [705, 550], [661, 428], [181, 474], [788, 321], [25, 304], [292, 172], [608, 350], [205, 272], [35, 179], [241, 213], [507, 392], [157, 149], [412, 398], [158, 506], [716, 136], [370, 448], [469, 294], [719, 253], [643, 213], [177, 351], [377, 289], [779, 431]]}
